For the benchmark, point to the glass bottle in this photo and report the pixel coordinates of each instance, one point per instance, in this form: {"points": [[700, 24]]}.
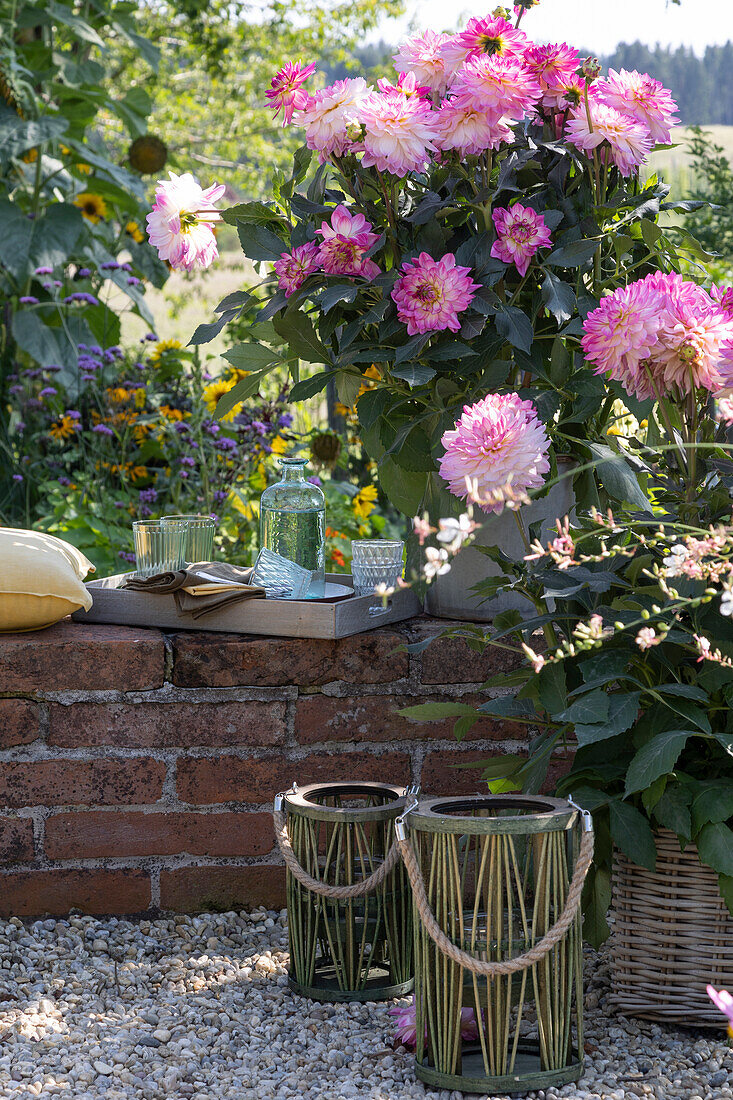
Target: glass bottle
{"points": [[293, 522]]}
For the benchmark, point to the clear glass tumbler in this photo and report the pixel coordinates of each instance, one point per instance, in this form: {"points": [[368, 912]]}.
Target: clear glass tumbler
{"points": [[375, 561], [159, 546], [293, 522], [199, 541], [280, 578]]}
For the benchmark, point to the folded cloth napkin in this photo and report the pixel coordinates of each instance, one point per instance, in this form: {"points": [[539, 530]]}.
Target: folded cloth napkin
{"points": [[201, 588]]}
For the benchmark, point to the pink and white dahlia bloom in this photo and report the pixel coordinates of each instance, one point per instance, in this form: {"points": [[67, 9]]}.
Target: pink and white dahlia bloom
{"points": [[181, 223], [692, 348], [398, 132], [498, 442], [406, 1030], [406, 85], [430, 293], [721, 998], [500, 85], [490, 36], [343, 244], [723, 295], [420, 54], [460, 126], [620, 335], [643, 98], [520, 232], [286, 89], [552, 66], [293, 268], [628, 142], [328, 114]]}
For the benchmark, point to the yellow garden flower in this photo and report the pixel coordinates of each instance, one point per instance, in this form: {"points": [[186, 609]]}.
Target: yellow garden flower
{"points": [[343, 410], [161, 348], [63, 428], [31, 156], [365, 502], [118, 395], [138, 472], [171, 414], [217, 389], [135, 232], [139, 396], [613, 430], [279, 445], [92, 206]]}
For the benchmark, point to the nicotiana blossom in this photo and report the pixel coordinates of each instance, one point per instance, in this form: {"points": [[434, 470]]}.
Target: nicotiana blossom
{"points": [[344, 241], [618, 137], [431, 293], [420, 54], [286, 89], [181, 223], [500, 85], [647, 637], [520, 231], [293, 268], [398, 132], [498, 441], [493, 35], [643, 98], [462, 127], [328, 114]]}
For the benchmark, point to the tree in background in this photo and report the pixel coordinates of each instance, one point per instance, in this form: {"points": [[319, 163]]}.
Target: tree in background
{"points": [[713, 225]]}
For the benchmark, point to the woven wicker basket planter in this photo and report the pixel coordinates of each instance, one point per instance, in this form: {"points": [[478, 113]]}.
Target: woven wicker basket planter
{"points": [[672, 935]]}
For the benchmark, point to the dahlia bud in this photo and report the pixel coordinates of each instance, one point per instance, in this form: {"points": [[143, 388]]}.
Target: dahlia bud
{"points": [[688, 353], [591, 69], [501, 13]]}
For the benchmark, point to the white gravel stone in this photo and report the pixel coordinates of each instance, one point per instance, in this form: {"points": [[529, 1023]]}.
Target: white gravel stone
{"points": [[198, 1008]]}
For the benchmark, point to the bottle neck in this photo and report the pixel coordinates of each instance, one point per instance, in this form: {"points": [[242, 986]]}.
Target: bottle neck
{"points": [[293, 471]]}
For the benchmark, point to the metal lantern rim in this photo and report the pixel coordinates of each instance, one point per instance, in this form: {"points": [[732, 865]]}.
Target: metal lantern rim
{"points": [[301, 802], [438, 814]]}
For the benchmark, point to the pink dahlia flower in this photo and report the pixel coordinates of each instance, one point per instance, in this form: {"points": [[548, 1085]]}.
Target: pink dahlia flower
{"points": [[493, 35], [500, 85], [431, 293], [498, 442], [692, 347], [181, 223], [724, 297], [552, 66], [406, 85], [520, 232], [293, 268], [328, 114], [286, 89], [721, 998], [620, 334], [643, 98], [460, 126], [398, 132], [421, 55], [406, 1030], [343, 244], [627, 142]]}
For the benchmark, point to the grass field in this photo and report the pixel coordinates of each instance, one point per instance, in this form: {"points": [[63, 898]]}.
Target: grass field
{"points": [[674, 164]]}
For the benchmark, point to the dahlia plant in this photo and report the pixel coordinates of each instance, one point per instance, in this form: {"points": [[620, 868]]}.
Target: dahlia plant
{"points": [[459, 222]]}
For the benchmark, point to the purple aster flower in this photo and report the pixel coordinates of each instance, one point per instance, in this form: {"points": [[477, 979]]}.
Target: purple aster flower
{"points": [[126, 556], [150, 336], [148, 496], [102, 429], [32, 373], [139, 366], [212, 429], [120, 504], [81, 296], [52, 368], [20, 427], [193, 443], [82, 347], [115, 351], [226, 444], [88, 378], [186, 461], [48, 391], [84, 272], [132, 281], [34, 403], [285, 420], [73, 414], [184, 474], [314, 479], [43, 271], [259, 427], [95, 350], [213, 515], [110, 265], [28, 300], [125, 267], [64, 481], [17, 477], [180, 427], [220, 495]]}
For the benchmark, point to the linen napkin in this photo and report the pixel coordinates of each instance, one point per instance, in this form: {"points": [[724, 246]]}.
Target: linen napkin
{"points": [[202, 587]]}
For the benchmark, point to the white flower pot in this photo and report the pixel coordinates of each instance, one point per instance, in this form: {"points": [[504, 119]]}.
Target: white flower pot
{"points": [[450, 596]]}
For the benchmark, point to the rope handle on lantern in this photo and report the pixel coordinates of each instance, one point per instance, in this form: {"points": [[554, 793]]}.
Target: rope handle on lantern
{"points": [[520, 962], [342, 893]]}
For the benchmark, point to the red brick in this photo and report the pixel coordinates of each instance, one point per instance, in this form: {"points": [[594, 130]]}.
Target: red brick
{"points": [[107, 782], [452, 661], [19, 722], [76, 656], [16, 839], [440, 776], [124, 833], [160, 725], [204, 780], [375, 718], [227, 660], [222, 889], [55, 892]]}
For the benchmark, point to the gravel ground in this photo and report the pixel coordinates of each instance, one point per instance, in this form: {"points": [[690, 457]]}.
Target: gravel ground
{"points": [[198, 1007]]}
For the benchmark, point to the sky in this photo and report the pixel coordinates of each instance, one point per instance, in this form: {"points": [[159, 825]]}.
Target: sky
{"points": [[597, 25]]}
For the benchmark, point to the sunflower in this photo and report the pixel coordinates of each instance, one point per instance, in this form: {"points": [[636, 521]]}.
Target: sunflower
{"points": [[135, 232], [161, 348], [92, 206], [63, 428], [216, 390], [365, 502], [147, 154], [171, 414], [118, 395]]}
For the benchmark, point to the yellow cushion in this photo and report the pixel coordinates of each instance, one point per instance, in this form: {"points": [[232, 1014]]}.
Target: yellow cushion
{"points": [[40, 580]]}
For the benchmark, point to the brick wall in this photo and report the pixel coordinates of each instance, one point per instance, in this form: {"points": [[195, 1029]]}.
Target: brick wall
{"points": [[137, 769]]}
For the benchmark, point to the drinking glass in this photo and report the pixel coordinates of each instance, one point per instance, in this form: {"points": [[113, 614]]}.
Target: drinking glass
{"points": [[198, 544], [159, 546], [280, 577], [375, 561]]}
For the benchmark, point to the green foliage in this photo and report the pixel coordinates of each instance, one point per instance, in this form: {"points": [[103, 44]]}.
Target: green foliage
{"points": [[712, 225]]}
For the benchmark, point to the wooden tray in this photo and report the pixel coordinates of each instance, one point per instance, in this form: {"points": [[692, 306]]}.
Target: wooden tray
{"points": [[279, 618]]}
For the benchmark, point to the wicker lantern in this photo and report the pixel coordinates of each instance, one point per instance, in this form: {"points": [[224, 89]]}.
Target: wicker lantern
{"points": [[349, 904], [498, 935]]}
